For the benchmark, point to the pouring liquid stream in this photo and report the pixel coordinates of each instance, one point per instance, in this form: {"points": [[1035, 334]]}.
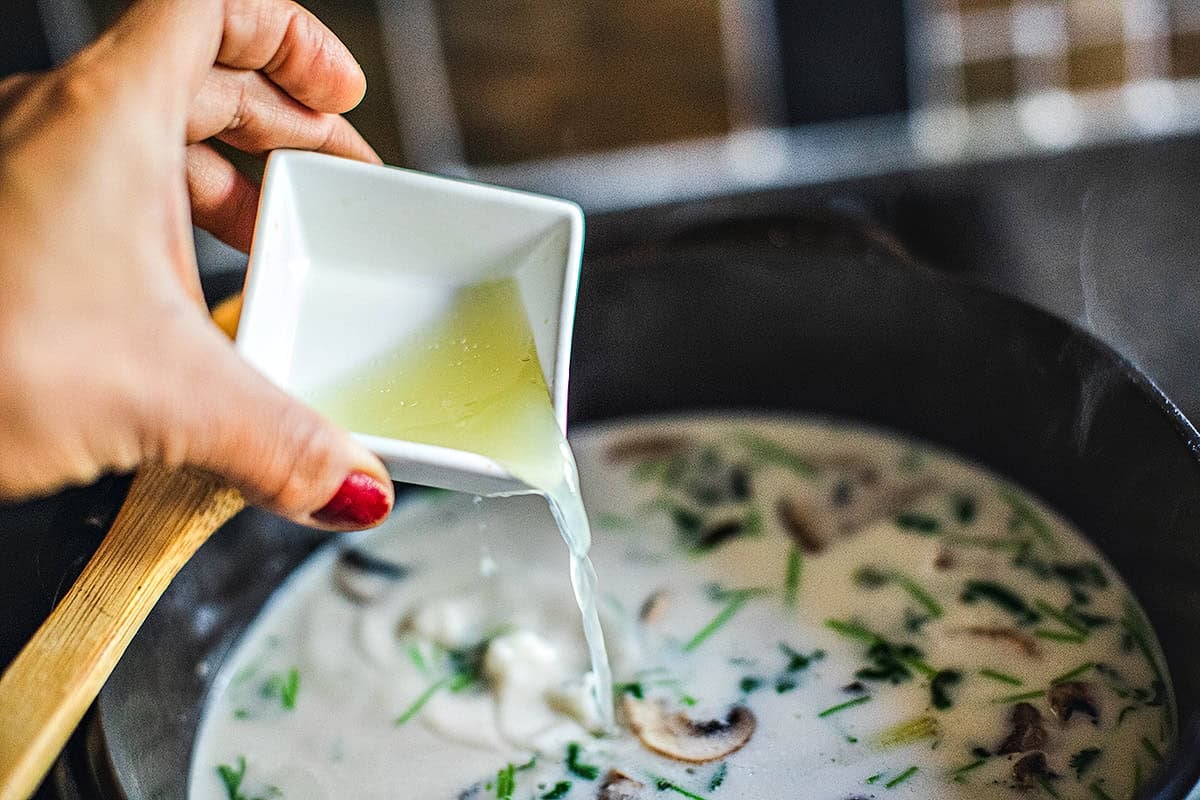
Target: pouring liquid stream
{"points": [[473, 382]]}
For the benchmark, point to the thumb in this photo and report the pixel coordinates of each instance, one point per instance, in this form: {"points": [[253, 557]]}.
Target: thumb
{"points": [[216, 412]]}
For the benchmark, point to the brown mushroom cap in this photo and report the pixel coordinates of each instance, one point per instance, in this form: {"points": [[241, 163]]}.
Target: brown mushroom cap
{"points": [[1073, 696], [1030, 770], [797, 524], [674, 735], [654, 606], [618, 786], [647, 447], [1027, 733]]}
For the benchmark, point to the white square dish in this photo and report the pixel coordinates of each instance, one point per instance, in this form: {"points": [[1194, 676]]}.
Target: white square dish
{"points": [[350, 258]]}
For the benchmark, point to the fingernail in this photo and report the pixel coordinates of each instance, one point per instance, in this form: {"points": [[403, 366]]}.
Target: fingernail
{"points": [[360, 501]]}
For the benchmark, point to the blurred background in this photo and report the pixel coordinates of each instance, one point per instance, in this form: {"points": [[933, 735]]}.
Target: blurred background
{"points": [[1046, 148]]}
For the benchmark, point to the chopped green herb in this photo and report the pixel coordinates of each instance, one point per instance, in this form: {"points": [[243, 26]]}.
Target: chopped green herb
{"points": [[1024, 513], [894, 663], [455, 683], [1139, 632], [664, 785], [918, 523], [752, 523], [851, 630], [287, 692], [718, 777], [750, 684], [871, 578], [613, 522], [986, 542], [764, 451], [505, 783], [1001, 677], [588, 772], [560, 790], [939, 688], [858, 701], [719, 594], [1061, 617], [960, 775], [232, 778], [1067, 637], [687, 521], [727, 613], [901, 778], [1084, 760], [791, 576], [418, 658], [1098, 792], [1001, 596], [891, 662], [241, 713], [965, 508], [1019, 698], [905, 733], [1149, 747], [785, 684], [1073, 674], [873, 779], [1088, 574], [633, 688], [797, 661]]}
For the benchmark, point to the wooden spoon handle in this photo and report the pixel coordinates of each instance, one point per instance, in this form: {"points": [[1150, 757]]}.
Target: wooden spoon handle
{"points": [[45, 691]]}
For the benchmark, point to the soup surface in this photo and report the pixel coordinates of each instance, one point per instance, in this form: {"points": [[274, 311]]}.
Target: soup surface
{"points": [[792, 608]]}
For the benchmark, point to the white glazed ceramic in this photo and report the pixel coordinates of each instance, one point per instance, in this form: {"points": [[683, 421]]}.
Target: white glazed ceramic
{"points": [[350, 258]]}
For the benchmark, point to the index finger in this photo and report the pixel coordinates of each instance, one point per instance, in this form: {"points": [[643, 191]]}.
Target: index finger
{"points": [[294, 49], [169, 46]]}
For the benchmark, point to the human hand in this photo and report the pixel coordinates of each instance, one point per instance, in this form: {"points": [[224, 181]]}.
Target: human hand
{"points": [[107, 355]]}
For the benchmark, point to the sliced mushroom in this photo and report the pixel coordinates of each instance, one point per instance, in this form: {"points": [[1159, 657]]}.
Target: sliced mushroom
{"points": [[1073, 696], [674, 735], [1027, 644], [1031, 771], [363, 578], [797, 523], [944, 559], [1028, 732], [654, 606], [618, 786], [648, 447]]}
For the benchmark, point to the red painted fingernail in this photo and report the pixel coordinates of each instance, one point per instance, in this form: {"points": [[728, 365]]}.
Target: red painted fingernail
{"points": [[360, 500]]}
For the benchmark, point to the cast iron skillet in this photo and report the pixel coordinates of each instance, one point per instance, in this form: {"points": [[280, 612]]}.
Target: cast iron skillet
{"points": [[811, 314]]}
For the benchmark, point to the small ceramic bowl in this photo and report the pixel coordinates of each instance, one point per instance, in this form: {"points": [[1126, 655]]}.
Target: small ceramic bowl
{"points": [[349, 258]]}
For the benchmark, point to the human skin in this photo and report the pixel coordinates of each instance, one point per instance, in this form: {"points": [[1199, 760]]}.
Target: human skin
{"points": [[108, 359]]}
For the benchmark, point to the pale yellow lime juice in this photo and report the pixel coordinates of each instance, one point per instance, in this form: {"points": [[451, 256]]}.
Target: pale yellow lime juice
{"points": [[472, 381]]}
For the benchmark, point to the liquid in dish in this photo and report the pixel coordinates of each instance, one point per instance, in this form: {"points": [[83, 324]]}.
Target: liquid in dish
{"points": [[791, 607], [472, 381]]}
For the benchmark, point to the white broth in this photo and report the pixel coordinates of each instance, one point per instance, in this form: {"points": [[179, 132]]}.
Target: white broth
{"points": [[792, 608]]}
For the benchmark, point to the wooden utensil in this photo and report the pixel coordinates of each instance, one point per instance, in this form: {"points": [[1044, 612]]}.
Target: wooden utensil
{"points": [[45, 691]]}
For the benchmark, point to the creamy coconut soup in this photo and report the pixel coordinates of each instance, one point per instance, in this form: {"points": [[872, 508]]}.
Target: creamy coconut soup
{"points": [[793, 609]]}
